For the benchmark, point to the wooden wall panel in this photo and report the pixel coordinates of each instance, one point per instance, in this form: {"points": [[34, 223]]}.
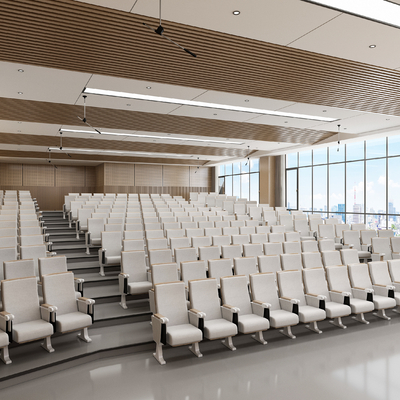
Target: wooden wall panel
{"points": [[148, 175], [119, 174], [38, 175], [70, 176], [11, 174], [201, 177], [90, 177], [267, 180], [175, 176]]}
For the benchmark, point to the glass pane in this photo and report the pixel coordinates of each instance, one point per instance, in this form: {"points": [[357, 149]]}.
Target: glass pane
{"points": [[376, 186], [245, 166], [354, 151], [394, 223], [221, 170], [245, 193], [355, 186], [255, 165], [354, 219], [305, 158], [376, 221], [291, 160], [335, 155], [376, 148], [320, 188], [336, 188], [221, 185], [236, 168], [394, 146], [339, 216], [236, 186], [291, 189], [228, 169], [394, 186], [228, 185], [320, 156], [305, 193], [254, 187]]}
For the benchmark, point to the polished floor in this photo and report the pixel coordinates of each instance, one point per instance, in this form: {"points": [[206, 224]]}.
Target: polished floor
{"points": [[361, 362]]}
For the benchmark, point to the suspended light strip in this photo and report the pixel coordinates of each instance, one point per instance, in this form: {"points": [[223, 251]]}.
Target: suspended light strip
{"points": [[151, 137], [202, 104], [382, 11], [119, 152]]}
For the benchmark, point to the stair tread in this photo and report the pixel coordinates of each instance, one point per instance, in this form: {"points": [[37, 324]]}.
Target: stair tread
{"points": [[114, 310], [96, 277], [95, 292]]}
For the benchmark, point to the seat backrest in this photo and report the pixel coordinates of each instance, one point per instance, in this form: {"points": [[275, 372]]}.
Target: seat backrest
{"points": [[212, 231], [160, 243], [154, 234], [395, 242], [326, 231], [349, 256], [312, 260], [339, 228], [278, 229], [263, 288], [31, 240], [379, 273], [20, 298], [221, 240], [258, 238], [234, 292], [269, 263], [203, 294], [52, 265], [164, 272], [291, 247], [332, 221], [358, 227], [18, 269], [245, 266], [326, 245], [95, 227], [260, 229], [315, 282], [112, 243], [314, 223], [131, 235], [205, 224], [359, 276], [201, 241], [253, 250], [222, 224], [230, 230], [338, 278], [331, 257], [157, 256], [185, 254], [170, 302], [382, 245], [34, 252], [309, 245], [385, 233], [292, 237], [290, 285], [191, 270], [132, 244], [219, 268], [194, 232], [175, 233], [232, 251], [8, 241], [240, 239], [367, 235], [7, 254], [352, 238], [394, 269], [291, 262], [301, 225], [271, 249], [83, 215], [276, 237], [134, 263], [209, 253], [113, 227], [59, 291], [12, 231]]}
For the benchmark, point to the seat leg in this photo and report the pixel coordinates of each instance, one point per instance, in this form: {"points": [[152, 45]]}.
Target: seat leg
{"points": [[314, 327], [87, 250], [5, 357], [102, 270], [123, 301], [158, 355], [77, 235], [382, 314], [287, 331], [360, 318], [47, 344], [195, 349], [397, 310], [338, 322], [259, 337], [84, 335], [228, 342]]}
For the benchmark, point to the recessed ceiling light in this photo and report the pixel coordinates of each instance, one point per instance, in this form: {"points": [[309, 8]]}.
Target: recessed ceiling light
{"points": [[247, 100], [202, 104], [18, 131], [21, 70], [372, 46], [236, 12], [19, 122], [215, 114], [20, 92], [323, 110], [148, 87], [286, 122], [128, 105]]}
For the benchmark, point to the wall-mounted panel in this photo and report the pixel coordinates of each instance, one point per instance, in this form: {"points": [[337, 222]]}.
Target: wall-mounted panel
{"points": [[90, 179], [38, 175], [175, 176], [70, 176], [11, 174], [119, 174], [148, 175], [201, 177]]}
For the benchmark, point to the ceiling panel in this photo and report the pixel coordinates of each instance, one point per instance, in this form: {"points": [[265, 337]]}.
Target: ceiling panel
{"points": [[30, 128], [39, 83], [285, 122], [123, 5], [350, 37]]}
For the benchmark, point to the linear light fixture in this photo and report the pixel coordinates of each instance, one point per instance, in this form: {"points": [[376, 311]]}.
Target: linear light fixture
{"points": [[136, 96], [151, 136], [119, 152], [382, 11]]}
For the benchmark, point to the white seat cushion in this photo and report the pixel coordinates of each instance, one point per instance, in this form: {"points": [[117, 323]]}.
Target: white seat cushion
{"points": [[335, 310], [96, 241], [3, 339], [32, 330], [179, 335], [382, 302], [113, 260], [397, 297], [338, 246], [219, 328], [310, 314], [281, 318], [361, 306], [72, 321], [364, 254], [139, 287], [250, 323]]}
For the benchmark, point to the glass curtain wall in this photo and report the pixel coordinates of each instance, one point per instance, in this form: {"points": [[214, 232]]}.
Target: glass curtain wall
{"points": [[358, 182], [240, 179]]}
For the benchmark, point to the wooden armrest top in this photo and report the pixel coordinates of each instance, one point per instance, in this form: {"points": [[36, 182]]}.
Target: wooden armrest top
{"points": [[228, 306], [359, 288], [258, 302]]}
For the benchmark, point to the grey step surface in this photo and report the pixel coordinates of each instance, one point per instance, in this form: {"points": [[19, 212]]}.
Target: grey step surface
{"points": [[113, 311]]}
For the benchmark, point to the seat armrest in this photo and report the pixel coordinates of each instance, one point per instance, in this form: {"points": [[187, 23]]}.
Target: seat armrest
{"points": [[87, 238], [340, 297], [6, 323], [50, 253], [362, 294], [48, 313], [102, 256], [395, 256], [261, 309], [290, 305], [315, 300], [377, 256], [79, 284], [123, 279], [159, 327], [86, 306], [196, 318], [396, 286], [383, 290], [230, 313]]}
